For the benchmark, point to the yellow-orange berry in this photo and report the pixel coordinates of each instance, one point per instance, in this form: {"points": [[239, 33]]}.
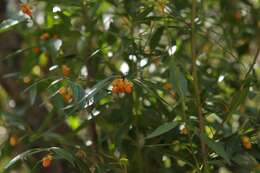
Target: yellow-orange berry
{"points": [[168, 86], [62, 90], [114, 82], [246, 142], [27, 79], [184, 131], [46, 160], [13, 140], [26, 9], [120, 83], [45, 36], [65, 70]]}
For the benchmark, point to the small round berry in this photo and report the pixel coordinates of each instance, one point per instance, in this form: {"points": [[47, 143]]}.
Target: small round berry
{"points": [[26, 9], [65, 70], [128, 89], [13, 140], [68, 97], [184, 131], [62, 90], [46, 160], [115, 89], [36, 50], [27, 79], [246, 142], [168, 86], [45, 36]]}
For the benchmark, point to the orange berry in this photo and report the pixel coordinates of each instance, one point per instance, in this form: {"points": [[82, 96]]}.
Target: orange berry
{"points": [[121, 89], [46, 160], [128, 89], [247, 145], [45, 36], [237, 16], [68, 98], [65, 70], [36, 50], [26, 9], [115, 89], [168, 86], [246, 142], [62, 90], [13, 140], [121, 86]]}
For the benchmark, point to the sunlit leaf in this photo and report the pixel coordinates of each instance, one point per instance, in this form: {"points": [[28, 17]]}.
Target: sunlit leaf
{"points": [[8, 24]]}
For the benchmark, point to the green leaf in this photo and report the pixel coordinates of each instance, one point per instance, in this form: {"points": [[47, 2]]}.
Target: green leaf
{"points": [[151, 89], [8, 24], [216, 147], [13, 54], [64, 154], [245, 160], [178, 79], [23, 156], [58, 153], [162, 129], [33, 94], [145, 12], [237, 100], [83, 98], [156, 37], [78, 93]]}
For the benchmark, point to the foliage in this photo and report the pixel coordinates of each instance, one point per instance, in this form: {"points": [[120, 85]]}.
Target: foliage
{"points": [[118, 86]]}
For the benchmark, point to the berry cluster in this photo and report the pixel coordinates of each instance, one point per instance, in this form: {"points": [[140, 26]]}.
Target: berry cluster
{"points": [[65, 70], [246, 142], [169, 87], [122, 86], [66, 93], [26, 9]]}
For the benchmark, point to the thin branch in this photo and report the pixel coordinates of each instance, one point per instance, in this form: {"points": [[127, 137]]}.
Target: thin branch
{"points": [[253, 64], [196, 86]]}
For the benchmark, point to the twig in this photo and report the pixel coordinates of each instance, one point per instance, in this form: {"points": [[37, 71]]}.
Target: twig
{"points": [[196, 86], [253, 64]]}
